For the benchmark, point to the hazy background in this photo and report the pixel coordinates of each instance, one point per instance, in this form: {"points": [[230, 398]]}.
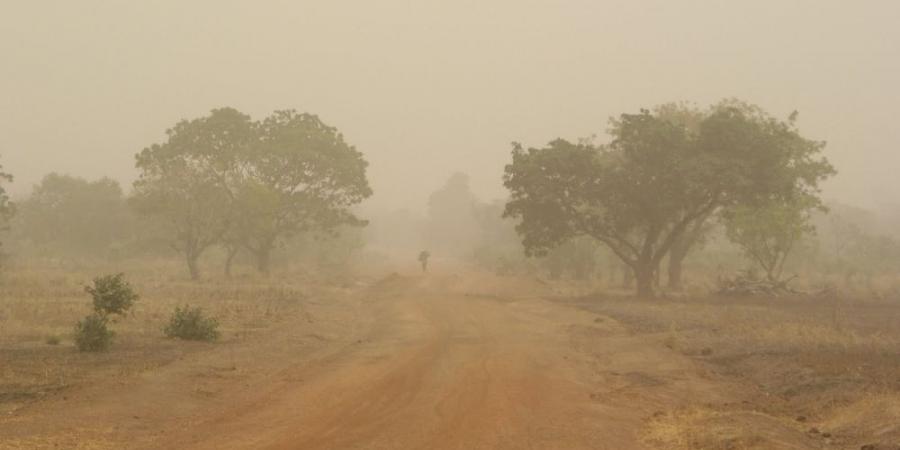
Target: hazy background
{"points": [[426, 88]]}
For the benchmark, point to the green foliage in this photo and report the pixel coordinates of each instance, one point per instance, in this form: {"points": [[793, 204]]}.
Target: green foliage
{"points": [[69, 215], [579, 257], [112, 294], [183, 180], [190, 324], [92, 333], [7, 208], [303, 177], [225, 179], [658, 177], [767, 233]]}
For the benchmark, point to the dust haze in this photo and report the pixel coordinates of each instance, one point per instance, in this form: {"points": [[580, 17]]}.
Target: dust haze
{"points": [[429, 88], [482, 225]]}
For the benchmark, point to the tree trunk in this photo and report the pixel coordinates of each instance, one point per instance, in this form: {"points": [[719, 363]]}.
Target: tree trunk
{"points": [[627, 277], [264, 259], [193, 265], [232, 252], [680, 249], [644, 277], [676, 258]]}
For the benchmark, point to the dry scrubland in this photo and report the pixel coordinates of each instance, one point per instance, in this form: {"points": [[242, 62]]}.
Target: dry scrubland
{"points": [[814, 371], [39, 307], [801, 372]]}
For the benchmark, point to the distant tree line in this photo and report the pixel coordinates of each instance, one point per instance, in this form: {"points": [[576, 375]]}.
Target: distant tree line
{"points": [[219, 180], [672, 182]]}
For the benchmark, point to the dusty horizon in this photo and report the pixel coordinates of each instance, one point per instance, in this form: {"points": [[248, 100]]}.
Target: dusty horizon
{"points": [[428, 89]]}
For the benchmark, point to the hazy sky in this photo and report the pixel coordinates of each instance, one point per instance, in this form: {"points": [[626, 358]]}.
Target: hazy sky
{"points": [[425, 88]]}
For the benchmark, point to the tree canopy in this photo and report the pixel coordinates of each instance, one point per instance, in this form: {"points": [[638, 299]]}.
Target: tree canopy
{"points": [[184, 180], [226, 179], [767, 233], [639, 193], [298, 176]]}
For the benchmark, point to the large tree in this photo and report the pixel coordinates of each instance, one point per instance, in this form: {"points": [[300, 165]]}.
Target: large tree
{"points": [[693, 237], [186, 179], [300, 175], [226, 179], [640, 193]]}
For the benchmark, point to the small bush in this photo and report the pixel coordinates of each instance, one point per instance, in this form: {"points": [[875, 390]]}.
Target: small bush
{"points": [[53, 340], [92, 335], [112, 294], [189, 323]]}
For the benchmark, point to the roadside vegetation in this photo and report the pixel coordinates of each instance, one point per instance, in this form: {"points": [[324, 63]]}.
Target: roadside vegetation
{"points": [[112, 296], [190, 324], [39, 355]]}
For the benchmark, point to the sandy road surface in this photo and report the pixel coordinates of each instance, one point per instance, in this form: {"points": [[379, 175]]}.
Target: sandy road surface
{"points": [[432, 362]]}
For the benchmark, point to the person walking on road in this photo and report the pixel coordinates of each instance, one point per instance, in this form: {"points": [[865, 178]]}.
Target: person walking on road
{"points": [[423, 258]]}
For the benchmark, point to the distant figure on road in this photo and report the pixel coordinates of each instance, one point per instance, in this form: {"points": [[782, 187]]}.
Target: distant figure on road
{"points": [[423, 258]]}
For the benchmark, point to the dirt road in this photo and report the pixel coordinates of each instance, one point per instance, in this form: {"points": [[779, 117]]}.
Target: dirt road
{"points": [[425, 362]]}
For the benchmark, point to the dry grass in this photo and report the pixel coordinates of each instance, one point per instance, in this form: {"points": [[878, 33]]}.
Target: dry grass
{"points": [[702, 428], [37, 304], [824, 373], [773, 326]]}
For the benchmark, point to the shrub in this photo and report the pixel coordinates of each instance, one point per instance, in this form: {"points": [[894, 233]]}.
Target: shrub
{"points": [[112, 294], [91, 333], [53, 340], [189, 323]]}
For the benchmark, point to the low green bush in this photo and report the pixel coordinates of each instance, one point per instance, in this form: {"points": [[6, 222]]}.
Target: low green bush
{"points": [[190, 324], [112, 294], [92, 334]]}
